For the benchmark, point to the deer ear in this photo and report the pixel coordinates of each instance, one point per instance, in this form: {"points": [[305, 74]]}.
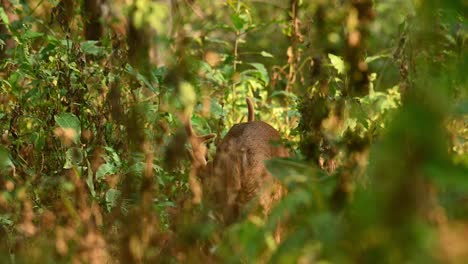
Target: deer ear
{"points": [[207, 137], [250, 107]]}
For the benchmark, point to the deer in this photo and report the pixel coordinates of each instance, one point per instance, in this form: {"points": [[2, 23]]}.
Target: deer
{"points": [[237, 178]]}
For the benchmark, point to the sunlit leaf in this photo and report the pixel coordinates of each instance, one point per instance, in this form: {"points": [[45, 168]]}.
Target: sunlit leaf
{"points": [[4, 16], [376, 57], [188, 98], [337, 63], [266, 54]]}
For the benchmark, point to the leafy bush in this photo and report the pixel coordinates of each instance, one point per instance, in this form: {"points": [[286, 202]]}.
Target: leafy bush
{"points": [[369, 96]]}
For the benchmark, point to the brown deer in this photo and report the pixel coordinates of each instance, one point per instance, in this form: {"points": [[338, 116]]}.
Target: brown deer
{"points": [[200, 166], [238, 178]]}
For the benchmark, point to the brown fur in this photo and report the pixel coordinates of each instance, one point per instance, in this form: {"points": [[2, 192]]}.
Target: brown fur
{"points": [[199, 162], [250, 107], [238, 179], [242, 181], [240, 171]]}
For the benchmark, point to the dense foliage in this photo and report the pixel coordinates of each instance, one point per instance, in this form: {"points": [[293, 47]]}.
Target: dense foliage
{"points": [[369, 96]]}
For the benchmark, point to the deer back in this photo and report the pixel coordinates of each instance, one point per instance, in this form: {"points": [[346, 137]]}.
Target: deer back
{"points": [[237, 177], [240, 171]]}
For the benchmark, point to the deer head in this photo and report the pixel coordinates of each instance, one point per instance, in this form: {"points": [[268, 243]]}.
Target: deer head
{"points": [[199, 150], [199, 161]]}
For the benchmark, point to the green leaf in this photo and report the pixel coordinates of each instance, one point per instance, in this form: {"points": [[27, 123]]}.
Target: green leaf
{"points": [[337, 63], [136, 168], [266, 54], [291, 171], [140, 78], [112, 195], [4, 16], [376, 57], [447, 175], [5, 161], [69, 121], [89, 180], [284, 93], [158, 74], [291, 249], [115, 157], [461, 108], [215, 75], [216, 110], [218, 41], [73, 157], [255, 84], [263, 72], [239, 21], [5, 220], [104, 169], [89, 47], [31, 34]]}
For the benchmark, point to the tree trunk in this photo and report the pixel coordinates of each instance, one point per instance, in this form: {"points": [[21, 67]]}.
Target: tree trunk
{"points": [[92, 14]]}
